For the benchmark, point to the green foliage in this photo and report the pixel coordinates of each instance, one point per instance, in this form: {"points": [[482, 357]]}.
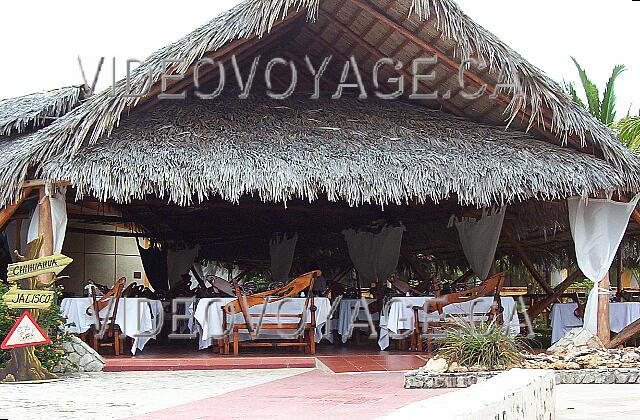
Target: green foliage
{"points": [[607, 108], [629, 132], [591, 92], [481, 344], [51, 322]]}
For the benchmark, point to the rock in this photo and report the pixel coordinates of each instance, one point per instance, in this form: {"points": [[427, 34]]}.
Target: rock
{"points": [[437, 365], [578, 338], [630, 356], [80, 357], [94, 366], [73, 358]]}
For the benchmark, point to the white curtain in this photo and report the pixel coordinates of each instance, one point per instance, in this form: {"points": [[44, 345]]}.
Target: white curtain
{"points": [[597, 227], [58, 219], [479, 239], [179, 262], [281, 250], [374, 255]]}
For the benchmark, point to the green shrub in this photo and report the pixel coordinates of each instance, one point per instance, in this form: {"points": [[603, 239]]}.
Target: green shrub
{"points": [[481, 344], [49, 320]]}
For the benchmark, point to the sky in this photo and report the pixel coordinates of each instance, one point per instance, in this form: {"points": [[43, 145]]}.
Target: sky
{"points": [[41, 40]]}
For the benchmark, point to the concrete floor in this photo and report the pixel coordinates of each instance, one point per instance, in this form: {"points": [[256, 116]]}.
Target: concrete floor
{"points": [[601, 402]]}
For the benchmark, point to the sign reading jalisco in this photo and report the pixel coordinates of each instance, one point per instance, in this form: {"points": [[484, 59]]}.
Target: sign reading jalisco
{"points": [[32, 268], [28, 299]]}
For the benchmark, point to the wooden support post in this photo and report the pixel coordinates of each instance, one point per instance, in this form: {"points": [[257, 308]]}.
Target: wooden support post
{"points": [[525, 260], [604, 327], [619, 271], [45, 228], [537, 308]]}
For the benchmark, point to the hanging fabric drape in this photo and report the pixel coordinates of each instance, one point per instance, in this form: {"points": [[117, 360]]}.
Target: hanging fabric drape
{"points": [[281, 250], [374, 255], [479, 239], [179, 262], [597, 227], [58, 218], [154, 261]]}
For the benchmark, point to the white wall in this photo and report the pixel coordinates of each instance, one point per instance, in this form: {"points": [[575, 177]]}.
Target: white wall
{"points": [[100, 258]]}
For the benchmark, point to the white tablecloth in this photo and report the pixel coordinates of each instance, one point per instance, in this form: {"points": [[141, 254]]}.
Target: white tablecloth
{"points": [[400, 316], [135, 316], [563, 319], [345, 312], [208, 315]]}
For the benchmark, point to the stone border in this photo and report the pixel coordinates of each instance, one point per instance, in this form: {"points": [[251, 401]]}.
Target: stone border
{"points": [[516, 394], [599, 376], [426, 380], [79, 357]]}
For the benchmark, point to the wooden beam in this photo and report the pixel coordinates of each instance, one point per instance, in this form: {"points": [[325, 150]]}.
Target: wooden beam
{"points": [[7, 212], [623, 336], [45, 229], [373, 50], [525, 259], [539, 307], [452, 64]]}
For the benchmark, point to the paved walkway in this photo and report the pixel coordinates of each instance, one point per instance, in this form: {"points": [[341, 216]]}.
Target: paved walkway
{"points": [[220, 394], [124, 394], [601, 402]]}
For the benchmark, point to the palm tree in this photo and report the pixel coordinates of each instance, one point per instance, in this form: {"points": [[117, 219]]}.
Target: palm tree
{"points": [[628, 129], [603, 109], [629, 132]]}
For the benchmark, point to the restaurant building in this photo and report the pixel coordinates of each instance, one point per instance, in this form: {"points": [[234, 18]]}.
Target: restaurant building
{"points": [[269, 139]]}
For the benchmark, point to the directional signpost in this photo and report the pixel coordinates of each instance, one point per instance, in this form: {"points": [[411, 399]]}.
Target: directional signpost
{"points": [[28, 299], [26, 333], [27, 269]]}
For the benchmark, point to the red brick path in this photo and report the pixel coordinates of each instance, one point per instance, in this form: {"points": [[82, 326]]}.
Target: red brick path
{"points": [[310, 395]]}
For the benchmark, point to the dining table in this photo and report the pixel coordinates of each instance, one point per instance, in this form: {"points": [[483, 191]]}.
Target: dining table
{"points": [[208, 321], [399, 317], [344, 319], [136, 318], [563, 318]]}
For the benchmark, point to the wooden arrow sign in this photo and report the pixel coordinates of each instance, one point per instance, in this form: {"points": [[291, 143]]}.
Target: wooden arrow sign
{"points": [[32, 268], [28, 299]]}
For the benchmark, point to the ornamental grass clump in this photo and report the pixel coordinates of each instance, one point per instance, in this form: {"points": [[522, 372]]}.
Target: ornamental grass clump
{"points": [[481, 344]]}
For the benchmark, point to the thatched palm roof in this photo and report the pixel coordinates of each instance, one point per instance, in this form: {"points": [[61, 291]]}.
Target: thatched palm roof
{"points": [[34, 110], [367, 29], [361, 152]]}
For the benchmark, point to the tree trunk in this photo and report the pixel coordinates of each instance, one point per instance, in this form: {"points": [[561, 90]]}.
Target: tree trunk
{"points": [[25, 366]]}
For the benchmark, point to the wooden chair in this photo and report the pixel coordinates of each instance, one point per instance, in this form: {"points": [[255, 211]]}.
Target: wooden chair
{"points": [[491, 286], [111, 337], [242, 304]]}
